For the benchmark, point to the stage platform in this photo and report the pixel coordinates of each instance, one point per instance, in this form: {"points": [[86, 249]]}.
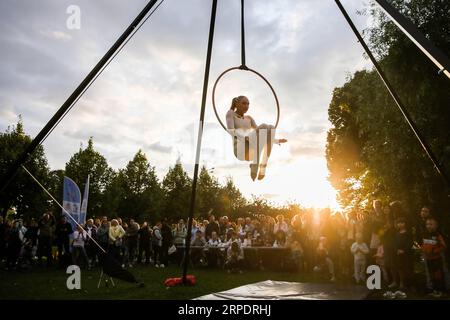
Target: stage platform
{"points": [[281, 290]]}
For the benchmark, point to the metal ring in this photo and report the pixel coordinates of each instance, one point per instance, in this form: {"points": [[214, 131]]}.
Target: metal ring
{"points": [[245, 68]]}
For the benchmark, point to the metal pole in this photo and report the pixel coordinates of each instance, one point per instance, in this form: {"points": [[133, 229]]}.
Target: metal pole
{"points": [[413, 33], [243, 66], [397, 100], [10, 174], [199, 139]]}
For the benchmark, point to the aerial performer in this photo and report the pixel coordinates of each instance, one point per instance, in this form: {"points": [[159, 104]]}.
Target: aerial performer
{"points": [[250, 142]]}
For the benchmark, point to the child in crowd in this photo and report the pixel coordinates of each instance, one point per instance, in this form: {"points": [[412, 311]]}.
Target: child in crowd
{"points": [[359, 250], [213, 245], [280, 239], [248, 240], [235, 258], [197, 249], [323, 258], [297, 254], [433, 246], [234, 238]]}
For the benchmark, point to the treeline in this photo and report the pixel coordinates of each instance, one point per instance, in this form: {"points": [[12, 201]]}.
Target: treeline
{"points": [[371, 151], [133, 191]]}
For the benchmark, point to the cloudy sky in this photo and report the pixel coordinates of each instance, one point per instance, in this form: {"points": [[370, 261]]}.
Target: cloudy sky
{"points": [[149, 96]]}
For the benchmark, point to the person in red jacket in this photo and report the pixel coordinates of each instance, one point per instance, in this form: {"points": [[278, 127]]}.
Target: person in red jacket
{"points": [[433, 245]]}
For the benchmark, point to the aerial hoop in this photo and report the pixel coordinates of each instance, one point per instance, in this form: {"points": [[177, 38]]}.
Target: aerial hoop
{"points": [[245, 68]]}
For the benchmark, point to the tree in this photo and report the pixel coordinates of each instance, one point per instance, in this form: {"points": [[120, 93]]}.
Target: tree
{"points": [[56, 180], [90, 162], [233, 203], [371, 151], [208, 194], [141, 192], [177, 192], [23, 193]]}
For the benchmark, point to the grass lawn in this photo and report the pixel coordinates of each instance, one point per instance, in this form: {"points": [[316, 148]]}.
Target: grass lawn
{"points": [[51, 284]]}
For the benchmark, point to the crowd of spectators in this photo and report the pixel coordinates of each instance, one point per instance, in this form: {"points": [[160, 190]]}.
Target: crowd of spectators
{"points": [[331, 245]]}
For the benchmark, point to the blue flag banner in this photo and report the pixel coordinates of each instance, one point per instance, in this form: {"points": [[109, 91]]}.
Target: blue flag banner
{"points": [[84, 203], [71, 200]]}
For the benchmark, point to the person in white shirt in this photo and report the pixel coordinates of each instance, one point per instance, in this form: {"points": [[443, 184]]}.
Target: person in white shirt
{"points": [[248, 240], [245, 133], [280, 225], [235, 258], [79, 239], [115, 234], [359, 250], [213, 250], [233, 238]]}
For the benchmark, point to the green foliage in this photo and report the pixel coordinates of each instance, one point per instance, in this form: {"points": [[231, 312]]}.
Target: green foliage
{"points": [[233, 203], [86, 162], [371, 151], [140, 189], [177, 192], [23, 193]]}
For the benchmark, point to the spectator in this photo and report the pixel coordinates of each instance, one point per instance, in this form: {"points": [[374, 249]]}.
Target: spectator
{"points": [[223, 226], [403, 251], [280, 239], [240, 227], [131, 238], [213, 253], [46, 229], [179, 233], [212, 226], [248, 227], [90, 247], [145, 243], [103, 234], [433, 247], [323, 259], [167, 241], [375, 224], [115, 236], [280, 225], [420, 227], [248, 240], [194, 229], [235, 258], [197, 249], [157, 244], [359, 250], [233, 238], [63, 231], [214, 241], [379, 260], [79, 239], [296, 254], [203, 226], [31, 237], [14, 245]]}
